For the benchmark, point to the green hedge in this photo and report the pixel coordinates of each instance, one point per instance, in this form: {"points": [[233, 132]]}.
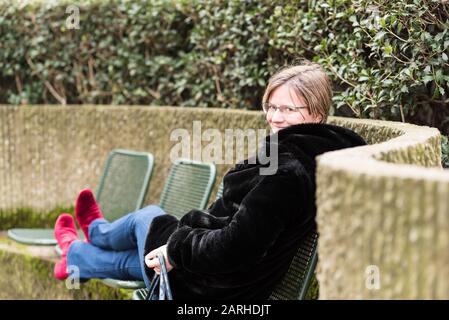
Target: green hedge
{"points": [[122, 52], [388, 59], [445, 151]]}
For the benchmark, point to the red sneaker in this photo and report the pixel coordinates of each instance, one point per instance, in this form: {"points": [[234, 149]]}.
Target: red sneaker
{"points": [[60, 270], [65, 234], [86, 211]]}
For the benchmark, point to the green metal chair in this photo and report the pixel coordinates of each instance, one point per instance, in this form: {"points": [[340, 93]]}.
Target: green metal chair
{"points": [[219, 192], [122, 189], [299, 276], [296, 281], [188, 186]]}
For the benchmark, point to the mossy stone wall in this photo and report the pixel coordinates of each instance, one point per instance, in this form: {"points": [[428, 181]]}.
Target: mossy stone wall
{"points": [[27, 273], [382, 205], [383, 218]]}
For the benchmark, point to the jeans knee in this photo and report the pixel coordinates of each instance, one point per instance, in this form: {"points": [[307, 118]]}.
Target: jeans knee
{"points": [[75, 251], [148, 213], [152, 208]]}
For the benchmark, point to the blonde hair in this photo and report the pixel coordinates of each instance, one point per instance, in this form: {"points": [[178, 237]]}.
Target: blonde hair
{"points": [[310, 82]]}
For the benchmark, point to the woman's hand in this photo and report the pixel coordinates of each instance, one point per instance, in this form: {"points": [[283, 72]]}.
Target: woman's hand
{"points": [[152, 261]]}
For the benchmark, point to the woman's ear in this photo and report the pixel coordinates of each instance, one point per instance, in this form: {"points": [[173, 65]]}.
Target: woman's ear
{"points": [[318, 119]]}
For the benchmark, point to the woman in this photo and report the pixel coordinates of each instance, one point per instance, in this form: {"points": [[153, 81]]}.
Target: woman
{"points": [[244, 243]]}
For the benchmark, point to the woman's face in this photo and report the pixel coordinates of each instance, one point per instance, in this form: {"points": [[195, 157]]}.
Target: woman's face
{"points": [[283, 97]]}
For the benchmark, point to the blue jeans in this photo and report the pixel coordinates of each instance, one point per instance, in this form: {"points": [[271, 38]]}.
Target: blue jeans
{"points": [[116, 249]]}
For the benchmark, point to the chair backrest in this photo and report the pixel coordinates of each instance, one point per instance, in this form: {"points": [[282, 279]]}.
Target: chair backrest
{"points": [[188, 186], [124, 182], [297, 280], [219, 191]]}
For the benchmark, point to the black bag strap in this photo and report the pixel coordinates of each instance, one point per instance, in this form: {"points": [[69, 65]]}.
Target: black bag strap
{"points": [[161, 280], [153, 285]]}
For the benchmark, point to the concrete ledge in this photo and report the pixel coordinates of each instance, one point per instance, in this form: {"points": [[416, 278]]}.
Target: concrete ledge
{"points": [[27, 273], [383, 205], [384, 218]]}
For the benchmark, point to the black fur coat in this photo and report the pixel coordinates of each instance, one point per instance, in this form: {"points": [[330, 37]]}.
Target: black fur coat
{"points": [[243, 244]]}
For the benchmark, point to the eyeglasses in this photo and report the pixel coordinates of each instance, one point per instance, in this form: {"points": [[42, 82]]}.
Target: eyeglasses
{"points": [[270, 109]]}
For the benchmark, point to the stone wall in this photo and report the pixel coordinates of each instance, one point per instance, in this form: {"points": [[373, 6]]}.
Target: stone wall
{"points": [[379, 207], [384, 227], [48, 153]]}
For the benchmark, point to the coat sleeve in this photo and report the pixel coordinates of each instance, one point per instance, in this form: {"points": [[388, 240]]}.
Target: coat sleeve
{"points": [[263, 214], [217, 208]]}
